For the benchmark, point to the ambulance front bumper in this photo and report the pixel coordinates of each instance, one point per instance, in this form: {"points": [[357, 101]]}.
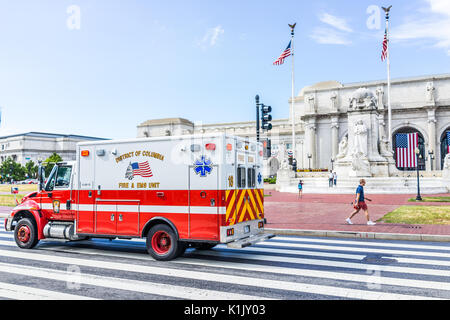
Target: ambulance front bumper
{"points": [[244, 234], [8, 223]]}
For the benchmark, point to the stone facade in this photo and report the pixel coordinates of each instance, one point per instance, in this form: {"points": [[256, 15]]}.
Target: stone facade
{"points": [[419, 104], [37, 146], [325, 116]]}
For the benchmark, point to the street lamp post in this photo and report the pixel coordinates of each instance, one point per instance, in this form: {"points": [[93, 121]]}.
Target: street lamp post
{"points": [[417, 151], [309, 160], [332, 161], [431, 158]]}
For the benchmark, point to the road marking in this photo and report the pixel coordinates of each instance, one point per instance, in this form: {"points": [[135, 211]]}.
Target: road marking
{"points": [[281, 270], [13, 291], [352, 249], [160, 289], [363, 242], [443, 263], [216, 277], [278, 270]]}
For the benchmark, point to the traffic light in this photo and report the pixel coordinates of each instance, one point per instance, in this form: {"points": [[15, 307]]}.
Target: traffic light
{"points": [[267, 146], [266, 117]]}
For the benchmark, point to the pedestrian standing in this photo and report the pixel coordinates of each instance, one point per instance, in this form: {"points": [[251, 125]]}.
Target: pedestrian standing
{"points": [[330, 179], [300, 188], [360, 203], [335, 178]]}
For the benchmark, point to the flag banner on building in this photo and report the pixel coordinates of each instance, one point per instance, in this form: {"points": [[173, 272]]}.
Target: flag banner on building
{"points": [[448, 141], [385, 47], [286, 53], [405, 146]]}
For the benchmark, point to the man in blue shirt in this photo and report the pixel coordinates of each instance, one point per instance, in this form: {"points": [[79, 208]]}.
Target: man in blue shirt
{"points": [[360, 203]]}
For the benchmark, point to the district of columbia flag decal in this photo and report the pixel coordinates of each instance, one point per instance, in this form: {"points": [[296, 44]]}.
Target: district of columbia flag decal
{"points": [[142, 169], [405, 147], [286, 53]]}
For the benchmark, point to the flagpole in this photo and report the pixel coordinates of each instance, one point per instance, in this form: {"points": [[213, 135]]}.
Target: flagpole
{"points": [[388, 76], [293, 93]]}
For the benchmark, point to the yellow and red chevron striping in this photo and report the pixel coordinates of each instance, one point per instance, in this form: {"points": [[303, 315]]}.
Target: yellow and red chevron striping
{"points": [[244, 205]]}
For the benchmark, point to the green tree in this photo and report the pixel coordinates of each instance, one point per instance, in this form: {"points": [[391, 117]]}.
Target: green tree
{"points": [[11, 170], [49, 163], [31, 169]]}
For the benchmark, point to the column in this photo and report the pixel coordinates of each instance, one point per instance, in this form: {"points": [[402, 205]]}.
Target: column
{"points": [[310, 139], [432, 138], [334, 137]]}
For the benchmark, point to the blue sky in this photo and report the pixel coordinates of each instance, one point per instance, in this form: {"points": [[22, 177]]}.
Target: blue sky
{"points": [[101, 67]]}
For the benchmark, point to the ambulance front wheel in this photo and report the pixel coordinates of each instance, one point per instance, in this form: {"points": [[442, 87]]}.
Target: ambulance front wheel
{"points": [[162, 243], [25, 234]]}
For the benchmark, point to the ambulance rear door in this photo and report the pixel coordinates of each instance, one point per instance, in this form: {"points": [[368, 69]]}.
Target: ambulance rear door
{"points": [[204, 195]]}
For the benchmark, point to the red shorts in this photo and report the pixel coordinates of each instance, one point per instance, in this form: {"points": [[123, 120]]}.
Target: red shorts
{"points": [[361, 205]]}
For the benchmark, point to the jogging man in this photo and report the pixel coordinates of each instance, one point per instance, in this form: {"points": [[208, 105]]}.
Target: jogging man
{"points": [[360, 203]]}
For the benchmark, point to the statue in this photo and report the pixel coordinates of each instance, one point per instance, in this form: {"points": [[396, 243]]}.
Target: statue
{"points": [[430, 92], [361, 99], [360, 163], [447, 162], [333, 98], [384, 148], [360, 142], [311, 103], [380, 95], [343, 146], [285, 165]]}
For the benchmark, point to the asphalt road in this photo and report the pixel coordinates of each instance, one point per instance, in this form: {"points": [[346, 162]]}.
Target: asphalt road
{"points": [[286, 268]]}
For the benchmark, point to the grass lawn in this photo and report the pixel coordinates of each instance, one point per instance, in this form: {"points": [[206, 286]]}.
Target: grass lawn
{"points": [[432, 199], [23, 188], [419, 215], [8, 200]]}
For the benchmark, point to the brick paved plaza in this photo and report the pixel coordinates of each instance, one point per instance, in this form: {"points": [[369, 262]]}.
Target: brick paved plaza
{"points": [[329, 211]]}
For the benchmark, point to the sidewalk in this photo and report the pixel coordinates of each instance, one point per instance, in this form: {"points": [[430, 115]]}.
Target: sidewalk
{"points": [[325, 214]]}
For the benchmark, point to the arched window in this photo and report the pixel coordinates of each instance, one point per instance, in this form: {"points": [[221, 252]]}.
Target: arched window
{"points": [[404, 164], [445, 145]]}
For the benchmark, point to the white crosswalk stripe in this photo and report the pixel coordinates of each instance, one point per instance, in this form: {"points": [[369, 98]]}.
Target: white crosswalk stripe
{"points": [[12, 291], [282, 268]]}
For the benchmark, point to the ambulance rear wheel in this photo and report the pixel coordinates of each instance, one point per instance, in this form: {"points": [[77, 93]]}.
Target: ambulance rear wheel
{"points": [[25, 234], [162, 243]]}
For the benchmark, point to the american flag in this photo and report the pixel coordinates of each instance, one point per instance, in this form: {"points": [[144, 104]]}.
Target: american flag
{"points": [[286, 53], [448, 141], [385, 47], [406, 144], [142, 169]]}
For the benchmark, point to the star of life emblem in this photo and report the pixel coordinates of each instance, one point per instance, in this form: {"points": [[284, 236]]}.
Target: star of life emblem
{"points": [[203, 166]]}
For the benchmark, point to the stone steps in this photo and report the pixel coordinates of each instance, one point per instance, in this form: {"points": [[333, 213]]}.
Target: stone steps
{"points": [[373, 185]]}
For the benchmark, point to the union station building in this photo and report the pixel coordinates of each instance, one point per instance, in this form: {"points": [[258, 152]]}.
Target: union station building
{"points": [[419, 104]]}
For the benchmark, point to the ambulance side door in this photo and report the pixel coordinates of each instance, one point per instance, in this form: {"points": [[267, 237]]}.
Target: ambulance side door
{"points": [[85, 197]]}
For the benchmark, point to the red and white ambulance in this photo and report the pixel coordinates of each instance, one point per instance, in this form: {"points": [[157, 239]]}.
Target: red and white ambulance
{"points": [[176, 192]]}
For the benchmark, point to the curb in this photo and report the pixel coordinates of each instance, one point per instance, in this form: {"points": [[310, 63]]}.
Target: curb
{"points": [[348, 234], [359, 235]]}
